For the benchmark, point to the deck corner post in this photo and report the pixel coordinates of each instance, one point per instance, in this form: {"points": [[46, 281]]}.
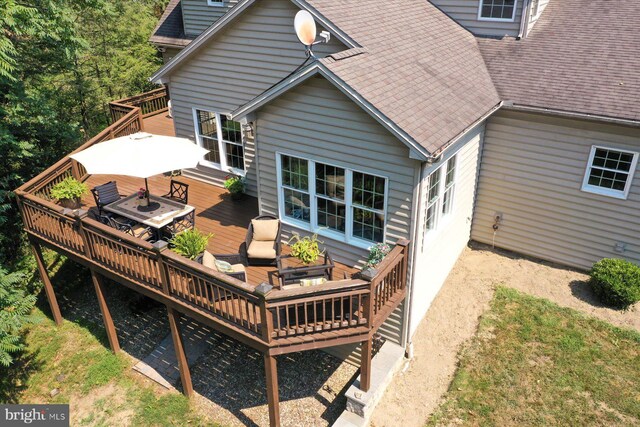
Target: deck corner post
{"points": [[266, 317], [109, 326], [178, 344], [140, 119], [48, 287], [165, 279], [365, 365], [273, 399]]}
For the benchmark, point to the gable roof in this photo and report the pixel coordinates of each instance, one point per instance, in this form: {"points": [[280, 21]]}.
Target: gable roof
{"points": [[584, 62], [170, 28], [408, 63]]}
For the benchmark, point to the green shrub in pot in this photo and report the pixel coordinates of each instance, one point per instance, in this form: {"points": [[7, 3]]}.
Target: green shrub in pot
{"points": [[190, 243], [69, 192], [306, 249]]}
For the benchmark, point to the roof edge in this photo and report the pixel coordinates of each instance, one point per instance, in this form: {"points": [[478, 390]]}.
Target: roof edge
{"points": [[510, 105], [228, 17], [416, 150]]}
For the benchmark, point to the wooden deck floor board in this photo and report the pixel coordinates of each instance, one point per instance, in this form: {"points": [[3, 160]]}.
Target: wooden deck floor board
{"points": [[215, 211]]}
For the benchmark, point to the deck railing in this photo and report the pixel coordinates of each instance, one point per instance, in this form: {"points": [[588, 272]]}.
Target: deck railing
{"points": [[272, 317], [150, 103]]}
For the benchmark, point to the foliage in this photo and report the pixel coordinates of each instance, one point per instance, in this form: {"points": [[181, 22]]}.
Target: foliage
{"points": [[235, 184], [190, 243], [69, 189], [15, 309], [306, 249], [535, 363], [377, 253], [616, 282]]}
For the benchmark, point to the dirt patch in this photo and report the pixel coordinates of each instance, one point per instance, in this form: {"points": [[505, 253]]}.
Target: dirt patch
{"points": [[106, 405], [453, 319]]}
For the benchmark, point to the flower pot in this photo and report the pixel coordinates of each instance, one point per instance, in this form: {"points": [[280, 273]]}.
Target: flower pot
{"points": [[143, 202], [71, 203]]}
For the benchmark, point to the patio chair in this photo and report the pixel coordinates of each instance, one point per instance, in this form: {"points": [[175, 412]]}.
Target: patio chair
{"points": [[179, 224], [105, 194], [262, 244], [231, 265], [135, 230], [178, 191]]}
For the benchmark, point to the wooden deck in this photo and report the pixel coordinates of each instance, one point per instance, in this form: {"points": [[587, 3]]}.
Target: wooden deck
{"points": [[159, 124], [215, 213]]}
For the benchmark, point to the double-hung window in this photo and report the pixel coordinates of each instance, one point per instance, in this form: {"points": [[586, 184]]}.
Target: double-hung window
{"points": [[497, 10], [223, 138], [440, 195], [610, 172], [331, 200]]}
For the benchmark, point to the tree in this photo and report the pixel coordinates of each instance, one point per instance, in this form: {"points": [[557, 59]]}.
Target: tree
{"points": [[15, 309]]}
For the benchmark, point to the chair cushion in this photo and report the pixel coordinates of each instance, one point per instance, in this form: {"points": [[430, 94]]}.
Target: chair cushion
{"points": [[209, 261], [238, 268], [265, 229], [108, 193], [261, 250], [313, 282]]}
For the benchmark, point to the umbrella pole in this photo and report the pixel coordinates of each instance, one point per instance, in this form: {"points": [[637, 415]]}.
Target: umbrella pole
{"points": [[146, 186]]}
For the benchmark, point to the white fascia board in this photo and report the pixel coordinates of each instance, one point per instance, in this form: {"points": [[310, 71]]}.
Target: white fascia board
{"points": [[417, 152], [237, 10]]}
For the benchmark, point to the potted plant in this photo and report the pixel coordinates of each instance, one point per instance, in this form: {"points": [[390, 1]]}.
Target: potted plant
{"points": [[143, 197], [190, 243], [377, 253], [69, 192], [306, 249], [235, 185]]}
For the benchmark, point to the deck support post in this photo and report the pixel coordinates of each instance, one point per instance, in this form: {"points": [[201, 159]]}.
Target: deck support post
{"points": [[178, 344], [48, 287], [273, 399], [112, 335], [365, 365]]}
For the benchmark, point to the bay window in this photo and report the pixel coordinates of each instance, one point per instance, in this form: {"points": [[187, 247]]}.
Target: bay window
{"points": [[331, 200], [223, 138]]}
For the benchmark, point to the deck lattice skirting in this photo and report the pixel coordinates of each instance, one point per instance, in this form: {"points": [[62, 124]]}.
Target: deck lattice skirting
{"points": [[270, 320]]}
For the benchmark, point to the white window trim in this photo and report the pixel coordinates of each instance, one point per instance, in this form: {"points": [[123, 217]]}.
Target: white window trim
{"points": [[215, 3], [512, 19], [223, 166], [536, 12], [313, 226], [442, 219], [586, 187]]}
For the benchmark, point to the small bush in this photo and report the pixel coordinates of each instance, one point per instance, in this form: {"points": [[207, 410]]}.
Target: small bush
{"points": [[616, 282], [190, 243], [69, 189], [235, 184], [306, 249]]}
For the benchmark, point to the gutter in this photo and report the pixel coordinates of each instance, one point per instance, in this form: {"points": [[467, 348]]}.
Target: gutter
{"points": [[524, 20], [437, 154], [509, 105]]}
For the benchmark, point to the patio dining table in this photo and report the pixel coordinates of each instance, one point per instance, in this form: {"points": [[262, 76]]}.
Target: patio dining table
{"points": [[158, 214]]}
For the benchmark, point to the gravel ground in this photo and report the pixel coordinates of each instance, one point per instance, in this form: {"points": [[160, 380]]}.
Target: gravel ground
{"points": [[453, 318], [229, 377]]}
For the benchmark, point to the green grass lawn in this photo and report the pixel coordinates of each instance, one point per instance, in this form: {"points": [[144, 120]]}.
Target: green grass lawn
{"points": [[74, 358], [100, 386], [535, 363]]}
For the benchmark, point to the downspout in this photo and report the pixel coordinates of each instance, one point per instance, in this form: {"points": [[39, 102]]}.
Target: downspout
{"points": [[408, 344], [524, 19]]}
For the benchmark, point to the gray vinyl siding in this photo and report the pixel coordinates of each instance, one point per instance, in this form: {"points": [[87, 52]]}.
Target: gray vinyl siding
{"points": [[532, 172], [465, 12], [317, 121], [439, 250], [254, 52], [169, 53], [197, 15]]}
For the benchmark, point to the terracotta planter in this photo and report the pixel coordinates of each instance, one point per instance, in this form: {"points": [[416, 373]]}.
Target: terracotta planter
{"points": [[71, 203]]}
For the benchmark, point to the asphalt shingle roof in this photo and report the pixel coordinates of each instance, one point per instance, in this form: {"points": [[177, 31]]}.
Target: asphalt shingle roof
{"points": [[582, 56], [418, 67], [170, 28]]}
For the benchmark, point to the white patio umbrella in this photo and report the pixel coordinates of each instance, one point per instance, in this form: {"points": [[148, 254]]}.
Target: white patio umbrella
{"points": [[140, 155]]}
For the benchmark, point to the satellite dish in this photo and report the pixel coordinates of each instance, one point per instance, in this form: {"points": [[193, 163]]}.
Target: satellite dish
{"points": [[305, 28]]}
